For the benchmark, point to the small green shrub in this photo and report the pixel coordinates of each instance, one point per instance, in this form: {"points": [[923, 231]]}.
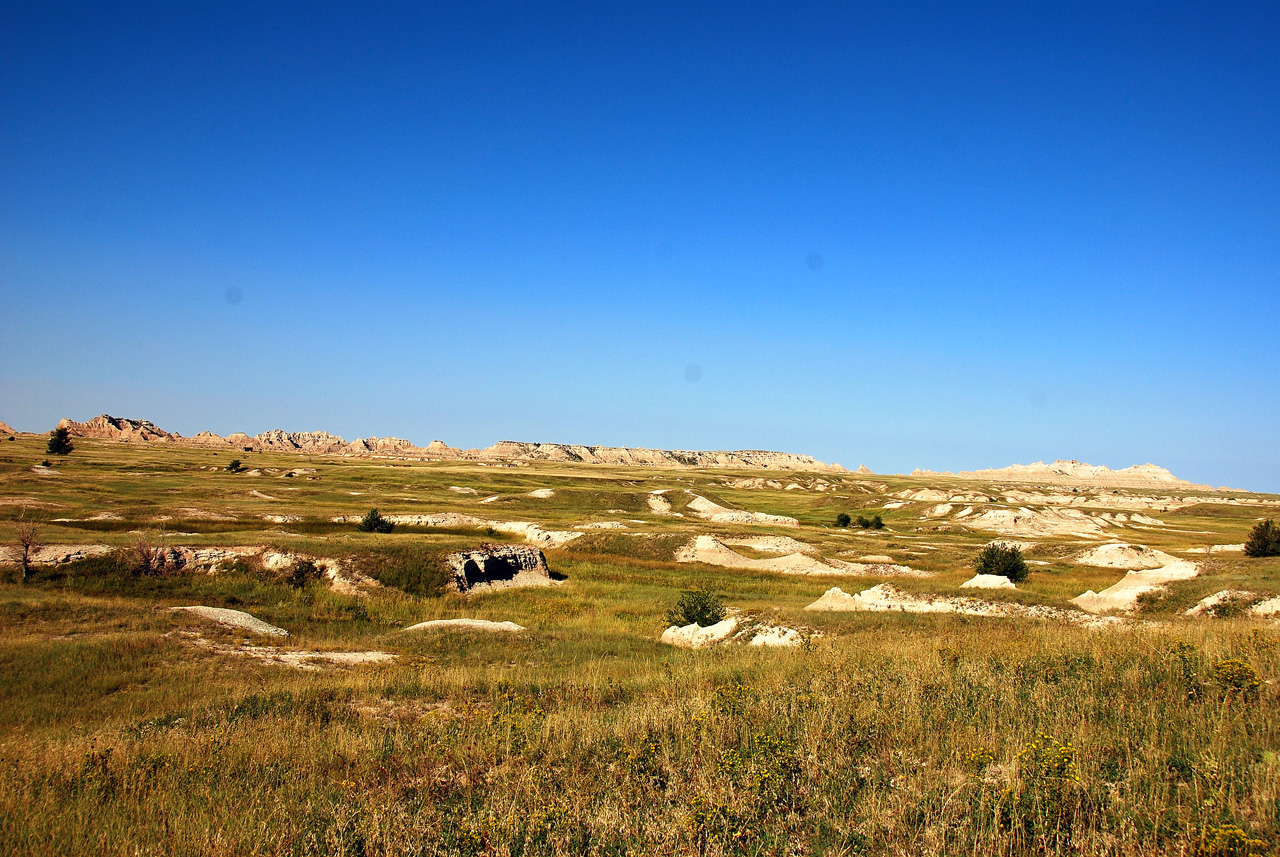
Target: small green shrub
{"points": [[875, 522], [843, 519], [233, 466], [1003, 560], [59, 442], [373, 522], [700, 607], [1264, 540]]}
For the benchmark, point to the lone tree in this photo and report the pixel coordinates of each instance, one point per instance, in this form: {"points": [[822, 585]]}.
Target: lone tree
{"points": [[373, 522], [1002, 560], [27, 534], [233, 466], [843, 519], [701, 607], [59, 442], [1264, 540]]}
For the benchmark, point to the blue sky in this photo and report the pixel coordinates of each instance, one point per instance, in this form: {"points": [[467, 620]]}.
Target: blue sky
{"points": [[939, 236]]}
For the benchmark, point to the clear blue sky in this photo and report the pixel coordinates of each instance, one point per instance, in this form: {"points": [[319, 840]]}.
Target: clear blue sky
{"points": [[940, 236]]}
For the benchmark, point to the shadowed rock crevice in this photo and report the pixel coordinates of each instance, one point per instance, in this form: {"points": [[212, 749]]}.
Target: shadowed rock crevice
{"points": [[499, 567]]}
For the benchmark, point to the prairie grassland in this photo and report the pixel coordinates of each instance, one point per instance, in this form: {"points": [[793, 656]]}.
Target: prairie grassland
{"points": [[128, 729]]}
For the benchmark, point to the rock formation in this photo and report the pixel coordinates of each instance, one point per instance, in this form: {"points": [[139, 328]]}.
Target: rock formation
{"points": [[6, 429], [116, 428], [323, 443], [1076, 473], [498, 567]]}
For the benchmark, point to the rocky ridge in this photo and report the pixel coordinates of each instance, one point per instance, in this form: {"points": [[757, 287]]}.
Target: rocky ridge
{"points": [[1074, 472], [322, 443]]}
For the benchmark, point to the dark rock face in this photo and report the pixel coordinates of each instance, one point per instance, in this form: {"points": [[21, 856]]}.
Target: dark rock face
{"points": [[498, 567]]}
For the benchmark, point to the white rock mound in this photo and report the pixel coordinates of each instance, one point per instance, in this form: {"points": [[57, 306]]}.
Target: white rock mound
{"points": [[695, 636], [465, 624], [1123, 595], [235, 619], [716, 513], [1121, 555], [988, 581]]}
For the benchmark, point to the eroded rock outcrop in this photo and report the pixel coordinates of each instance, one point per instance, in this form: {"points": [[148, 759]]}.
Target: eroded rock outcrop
{"points": [[323, 443], [492, 567]]}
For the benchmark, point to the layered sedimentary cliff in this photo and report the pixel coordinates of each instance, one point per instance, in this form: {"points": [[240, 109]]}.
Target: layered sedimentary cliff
{"points": [[323, 443], [1076, 473]]}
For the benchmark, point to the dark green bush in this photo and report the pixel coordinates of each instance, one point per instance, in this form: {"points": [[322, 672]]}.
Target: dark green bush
{"points": [[1003, 560], [233, 466], [875, 522], [1264, 540], [843, 519], [59, 442], [700, 607], [373, 522]]}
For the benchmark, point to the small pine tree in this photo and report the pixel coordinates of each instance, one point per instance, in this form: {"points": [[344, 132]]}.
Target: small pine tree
{"points": [[233, 466], [59, 442], [1264, 540], [373, 522], [700, 607], [843, 519], [877, 522], [1003, 560]]}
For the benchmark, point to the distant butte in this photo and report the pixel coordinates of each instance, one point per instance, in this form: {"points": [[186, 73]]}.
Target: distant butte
{"points": [[322, 443], [1076, 473]]}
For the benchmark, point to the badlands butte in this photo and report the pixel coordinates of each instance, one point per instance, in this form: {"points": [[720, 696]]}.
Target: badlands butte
{"points": [[203, 658]]}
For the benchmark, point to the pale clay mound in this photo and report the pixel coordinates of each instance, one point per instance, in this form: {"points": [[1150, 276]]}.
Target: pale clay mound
{"points": [[235, 619], [1264, 608], [1270, 607], [772, 544], [1212, 550], [1123, 595], [457, 489], [732, 629], [1206, 605], [1121, 555], [541, 493], [886, 598], [711, 551], [55, 554], [716, 513], [465, 625], [1044, 522], [988, 581], [658, 504]]}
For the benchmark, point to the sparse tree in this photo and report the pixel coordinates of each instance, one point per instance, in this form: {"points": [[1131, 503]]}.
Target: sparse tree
{"points": [[373, 522], [233, 466], [27, 535], [1003, 560], [59, 442], [843, 519], [1264, 540], [877, 522]]}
